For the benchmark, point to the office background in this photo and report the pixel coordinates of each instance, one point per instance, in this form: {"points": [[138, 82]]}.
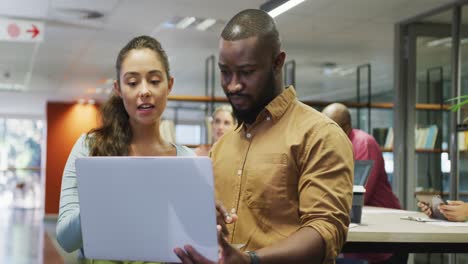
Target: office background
{"points": [[341, 50]]}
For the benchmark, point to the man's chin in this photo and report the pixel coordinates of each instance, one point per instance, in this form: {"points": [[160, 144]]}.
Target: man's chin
{"points": [[245, 116]]}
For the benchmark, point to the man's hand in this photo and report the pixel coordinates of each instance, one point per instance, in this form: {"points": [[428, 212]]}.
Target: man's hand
{"points": [[425, 208], [223, 217], [228, 254], [455, 211]]}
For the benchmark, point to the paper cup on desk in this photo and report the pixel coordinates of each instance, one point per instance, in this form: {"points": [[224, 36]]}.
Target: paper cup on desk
{"points": [[358, 203]]}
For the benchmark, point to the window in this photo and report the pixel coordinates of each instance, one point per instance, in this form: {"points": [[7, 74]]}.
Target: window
{"points": [[187, 134], [21, 143]]}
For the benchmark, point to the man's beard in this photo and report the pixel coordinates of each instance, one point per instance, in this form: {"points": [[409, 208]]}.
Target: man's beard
{"points": [[268, 93]]}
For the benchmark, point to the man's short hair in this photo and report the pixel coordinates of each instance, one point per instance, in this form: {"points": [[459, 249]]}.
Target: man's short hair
{"points": [[253, 23]]}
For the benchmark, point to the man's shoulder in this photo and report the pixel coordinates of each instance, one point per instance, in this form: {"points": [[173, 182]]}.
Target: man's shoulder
{"points": [[361, 137], [310, 118]]}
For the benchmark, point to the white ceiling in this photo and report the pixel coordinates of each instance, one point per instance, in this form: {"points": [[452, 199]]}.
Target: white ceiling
{"points": [[78, 55]]}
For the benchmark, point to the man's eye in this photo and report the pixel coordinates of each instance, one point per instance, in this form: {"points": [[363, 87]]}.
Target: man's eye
{"points": [[132, 84], [246, 72], [155, 82]]}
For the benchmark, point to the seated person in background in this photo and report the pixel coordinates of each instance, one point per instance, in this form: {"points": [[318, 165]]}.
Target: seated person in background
{"points": [[365, 147], [223, 120], [286, 169], [130, 127], [456, 211]]}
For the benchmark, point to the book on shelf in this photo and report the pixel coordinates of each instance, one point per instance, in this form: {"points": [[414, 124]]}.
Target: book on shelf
{"points": [[389, 139], [425, 137], [463, 140], [431, 136]]}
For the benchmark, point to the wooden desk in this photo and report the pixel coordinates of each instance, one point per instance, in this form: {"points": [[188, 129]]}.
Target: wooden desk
{"points": [[382, 230]]}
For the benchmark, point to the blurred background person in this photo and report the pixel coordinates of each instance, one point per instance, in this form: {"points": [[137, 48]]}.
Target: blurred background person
{"points": [[222, 121], [378, 189]]}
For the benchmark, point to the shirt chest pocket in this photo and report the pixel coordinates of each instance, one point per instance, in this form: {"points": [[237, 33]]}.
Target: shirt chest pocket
{"points": [[266, 182]]}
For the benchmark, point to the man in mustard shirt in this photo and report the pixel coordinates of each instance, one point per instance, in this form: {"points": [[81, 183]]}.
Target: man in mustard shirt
{"points": [[286, 170]]}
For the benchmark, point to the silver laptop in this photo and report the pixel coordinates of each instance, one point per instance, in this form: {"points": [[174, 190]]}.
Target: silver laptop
{"points": [[141, 208], [362, 170]]}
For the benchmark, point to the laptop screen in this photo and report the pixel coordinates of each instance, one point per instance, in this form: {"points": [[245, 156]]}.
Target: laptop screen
{"points": [[362, 169]]}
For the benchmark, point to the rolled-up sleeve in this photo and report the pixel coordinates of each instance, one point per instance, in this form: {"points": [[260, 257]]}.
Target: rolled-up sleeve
{"points": [[325, 186], [68, 224]]}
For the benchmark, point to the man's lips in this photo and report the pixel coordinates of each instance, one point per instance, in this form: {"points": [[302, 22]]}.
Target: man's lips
{"points": [[237, 98]]}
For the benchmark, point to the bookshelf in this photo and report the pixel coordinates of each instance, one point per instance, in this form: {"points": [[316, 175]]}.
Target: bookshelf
{"points": [[420, 150]]}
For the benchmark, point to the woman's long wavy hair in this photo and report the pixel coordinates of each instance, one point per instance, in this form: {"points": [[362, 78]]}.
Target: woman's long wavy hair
{"points": [[114, 136]]}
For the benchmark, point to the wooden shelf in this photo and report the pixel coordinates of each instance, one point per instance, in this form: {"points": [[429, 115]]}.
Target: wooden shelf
{"points": [[418, 150], [201, 99], [208, 99], [432, 107]]}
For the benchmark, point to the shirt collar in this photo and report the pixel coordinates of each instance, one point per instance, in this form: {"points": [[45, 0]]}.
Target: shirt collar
{"points": [[278, 106]]}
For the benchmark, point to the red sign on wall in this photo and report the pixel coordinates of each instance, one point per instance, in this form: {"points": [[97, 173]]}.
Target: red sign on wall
{"points": [[21, 30]]}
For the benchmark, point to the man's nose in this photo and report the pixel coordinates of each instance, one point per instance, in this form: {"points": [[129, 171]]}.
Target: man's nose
{"points": [[234, 85]]}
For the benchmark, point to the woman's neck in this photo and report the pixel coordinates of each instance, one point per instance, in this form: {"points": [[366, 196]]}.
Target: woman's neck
{"points": [[147, 141]]}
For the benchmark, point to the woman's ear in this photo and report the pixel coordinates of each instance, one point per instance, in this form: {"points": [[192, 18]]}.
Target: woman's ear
{"points": [[170, 83], [117, 88]]}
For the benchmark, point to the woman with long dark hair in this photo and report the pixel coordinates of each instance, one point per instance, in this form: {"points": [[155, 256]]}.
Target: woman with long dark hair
{"points": [[130, 127]]}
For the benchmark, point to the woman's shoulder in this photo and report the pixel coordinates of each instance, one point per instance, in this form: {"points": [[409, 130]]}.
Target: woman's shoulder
{"points": [[203, 150], [184, 151]]}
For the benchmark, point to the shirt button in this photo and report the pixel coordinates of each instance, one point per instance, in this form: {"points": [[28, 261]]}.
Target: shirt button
{"points": [[239, 172], [248, 135]]}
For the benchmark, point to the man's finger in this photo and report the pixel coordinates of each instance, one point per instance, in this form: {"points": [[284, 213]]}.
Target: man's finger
{"points": [[183, 256], [196, 257], [223, 213]]}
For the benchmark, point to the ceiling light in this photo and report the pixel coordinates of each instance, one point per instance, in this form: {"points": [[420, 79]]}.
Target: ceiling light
{"points": [[205, 24], [184, 23], [11, 86], [277, 7], [344, 72], [438, 42]]}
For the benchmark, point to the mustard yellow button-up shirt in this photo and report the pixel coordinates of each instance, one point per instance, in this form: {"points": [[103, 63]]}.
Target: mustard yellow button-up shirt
{"points": [[292, 168]]}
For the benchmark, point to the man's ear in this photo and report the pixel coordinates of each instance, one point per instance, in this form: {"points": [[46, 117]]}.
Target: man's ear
{"points": [[278, 62], [117, 88]]}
